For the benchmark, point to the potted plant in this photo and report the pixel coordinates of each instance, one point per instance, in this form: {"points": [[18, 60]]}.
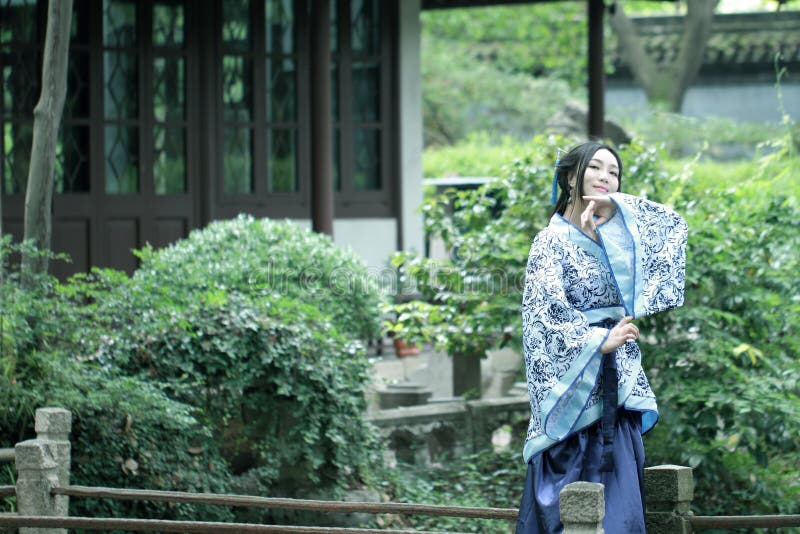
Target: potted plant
{"points": [[410, 324]]}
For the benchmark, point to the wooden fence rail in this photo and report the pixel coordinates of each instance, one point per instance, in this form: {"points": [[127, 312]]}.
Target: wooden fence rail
{"points": [[157, 525], [6, 455], [509, 514], [43, 492], [706, 522]]}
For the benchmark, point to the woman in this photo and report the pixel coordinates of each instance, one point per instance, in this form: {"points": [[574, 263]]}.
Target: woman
{"points": [[605, 259]]}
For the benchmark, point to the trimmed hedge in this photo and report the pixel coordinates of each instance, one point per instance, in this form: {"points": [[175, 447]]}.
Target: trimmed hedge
{"points": [[265, 260]]}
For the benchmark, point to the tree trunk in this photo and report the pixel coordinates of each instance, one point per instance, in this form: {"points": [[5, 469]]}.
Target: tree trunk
{"points": [[696, 33], [46, 121], [2, 259], [667, 84], [1, 211]]}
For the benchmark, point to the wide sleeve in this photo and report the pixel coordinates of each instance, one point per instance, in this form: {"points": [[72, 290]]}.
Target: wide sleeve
{"points": [[561, 349], [647, 254]]}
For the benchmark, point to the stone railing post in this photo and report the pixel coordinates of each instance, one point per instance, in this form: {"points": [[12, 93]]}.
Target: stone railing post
{"points": [[43, 464], [668, 492], [55, 424], [582, 506]]}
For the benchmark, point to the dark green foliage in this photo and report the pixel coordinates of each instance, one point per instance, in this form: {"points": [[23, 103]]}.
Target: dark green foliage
{"points": [[487, 479], [255, 323], [281, 387], [724, 367], [239, 343], [265, 260], [126, 432], [500, 69], [465, 94], [536, 40]]}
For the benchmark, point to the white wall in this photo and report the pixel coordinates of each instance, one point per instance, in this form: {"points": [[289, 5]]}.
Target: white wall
{"points": [[745, 102], [373, 239]]}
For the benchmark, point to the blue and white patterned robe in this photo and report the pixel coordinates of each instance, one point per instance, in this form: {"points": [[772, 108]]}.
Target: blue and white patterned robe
{"points": [[575, 289]]}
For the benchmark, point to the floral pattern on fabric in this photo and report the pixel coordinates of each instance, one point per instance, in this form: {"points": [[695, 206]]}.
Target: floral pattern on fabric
{"points": [[565, 279], [663, 238]]}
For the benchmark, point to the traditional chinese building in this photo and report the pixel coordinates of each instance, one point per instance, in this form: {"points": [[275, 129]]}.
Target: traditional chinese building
{"points": [[180, 112]]}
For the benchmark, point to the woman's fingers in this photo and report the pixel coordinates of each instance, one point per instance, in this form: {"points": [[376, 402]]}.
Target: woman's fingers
{"points": [[627, 330], [603, 206], [599, 200], [632, 334], [621, 333], [587, 217]]}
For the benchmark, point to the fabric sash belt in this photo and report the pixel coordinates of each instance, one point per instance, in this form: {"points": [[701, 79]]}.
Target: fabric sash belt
{"points": [[609, 419], [610, 400]]}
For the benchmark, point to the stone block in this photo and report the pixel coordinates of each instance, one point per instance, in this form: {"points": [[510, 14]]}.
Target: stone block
{"points": [[53, 423], [499, 371], [582, 508], [403, 394], [667, 523], [466, 374], [668, 488], [36, 455], [38, 468]]}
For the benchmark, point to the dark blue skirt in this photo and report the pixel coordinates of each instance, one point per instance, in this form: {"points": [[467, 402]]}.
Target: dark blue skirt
{"points": [[578, 458]]}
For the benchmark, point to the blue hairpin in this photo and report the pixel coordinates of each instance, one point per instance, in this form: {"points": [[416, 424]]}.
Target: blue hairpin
{"points": [[554, 196]]}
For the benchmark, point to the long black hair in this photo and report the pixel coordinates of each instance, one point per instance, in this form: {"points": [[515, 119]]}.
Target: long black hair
{"points": [[574, 163]]}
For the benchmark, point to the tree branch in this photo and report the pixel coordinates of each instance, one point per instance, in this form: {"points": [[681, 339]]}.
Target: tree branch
{"points": [[642, 66], [667, 83], [696, 32]]}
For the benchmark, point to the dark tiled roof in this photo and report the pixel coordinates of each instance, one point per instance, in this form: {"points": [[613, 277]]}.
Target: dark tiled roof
{"points": [[740, 43]]}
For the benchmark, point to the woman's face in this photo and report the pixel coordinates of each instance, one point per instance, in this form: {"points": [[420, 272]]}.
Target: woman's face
{"points": [[602, 174]]}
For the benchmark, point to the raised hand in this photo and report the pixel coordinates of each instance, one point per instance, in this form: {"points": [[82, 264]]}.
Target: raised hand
{"points": [[600, 206], [621, 333]]}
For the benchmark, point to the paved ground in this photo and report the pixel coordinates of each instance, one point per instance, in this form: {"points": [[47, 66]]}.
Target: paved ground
{"points": [[432, 370]]}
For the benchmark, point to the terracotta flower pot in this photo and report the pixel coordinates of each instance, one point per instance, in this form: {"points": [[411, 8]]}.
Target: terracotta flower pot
{"points": [[402, 349]]}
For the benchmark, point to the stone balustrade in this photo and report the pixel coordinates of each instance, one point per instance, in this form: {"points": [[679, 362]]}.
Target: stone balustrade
{"points": [[422, 434], [42, 464]]}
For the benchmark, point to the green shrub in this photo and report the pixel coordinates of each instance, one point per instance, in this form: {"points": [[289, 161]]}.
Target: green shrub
{"points": [[680, 135], [256, 325], [265, 260], [283, 390], [485, 479], [126, 432], [478, 154], [241, 342], [463, 92]]}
